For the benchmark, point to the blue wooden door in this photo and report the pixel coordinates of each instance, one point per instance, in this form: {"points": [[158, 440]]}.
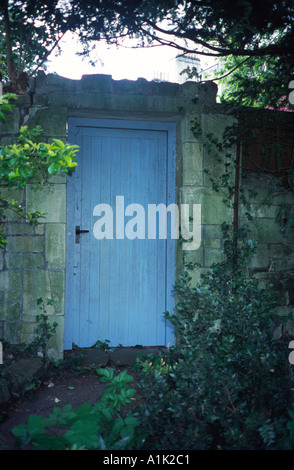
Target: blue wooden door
{"points": [[119, 281]]}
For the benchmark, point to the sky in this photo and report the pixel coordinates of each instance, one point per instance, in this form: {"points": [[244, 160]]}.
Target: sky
{"points": [[121, 63]]}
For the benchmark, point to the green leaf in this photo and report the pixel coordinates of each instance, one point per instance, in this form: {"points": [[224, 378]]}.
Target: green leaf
{"points": [[106, 373], [19, 430]]}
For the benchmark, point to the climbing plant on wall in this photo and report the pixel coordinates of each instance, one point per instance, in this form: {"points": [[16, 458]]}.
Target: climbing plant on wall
{"points": [[29, 160], [258, 143]]}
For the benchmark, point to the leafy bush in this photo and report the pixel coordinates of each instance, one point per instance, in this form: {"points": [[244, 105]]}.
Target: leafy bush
{"points": [[28, 160], [289, 438], [101, 426], [229, 384]]}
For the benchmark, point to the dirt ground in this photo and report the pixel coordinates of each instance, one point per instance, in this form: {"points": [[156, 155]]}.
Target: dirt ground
{"points": [[55, 390]]}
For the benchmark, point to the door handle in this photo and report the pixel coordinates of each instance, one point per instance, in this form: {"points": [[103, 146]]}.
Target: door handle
{"points": [[78, 232]]}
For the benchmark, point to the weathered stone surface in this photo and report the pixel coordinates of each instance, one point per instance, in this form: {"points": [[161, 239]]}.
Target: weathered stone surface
{"points": [[51, 199], [94, 357], [55, 246], [51, 119], [18, 375], [36, 284], [192, 164], [57, 285], [12, 330], [23, 244], [21, 372], [11, 126], [261, 258], [56, 342], [266, 231], [10, 280], [4, 391], [213, 209], [97, 83], [128, 356], [10, 311], [18, 229]]}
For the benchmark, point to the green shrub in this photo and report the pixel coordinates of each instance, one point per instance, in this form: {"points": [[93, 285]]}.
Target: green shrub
{"points": [[229, 384], [101, 426]]}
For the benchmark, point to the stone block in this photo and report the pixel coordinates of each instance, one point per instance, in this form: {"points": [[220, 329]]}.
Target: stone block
{"points": [[9, 311], [168, 88], [52, 119], [138, 103], [261, 258], [20, 373], [10, 280], [213, 210], [55, 246], [51, 199], [7, 140], [23, 244], [27, 330], [33, 260], [12, 296], [212, 243], [12, 332], [187, 123], [55, 345], [14, 228], [12, 194], [215, 125], [196, 276], [204, 94], [281, 251], [97, 83], [57, 285], [193, 258], [125, 356], [12, 216], [212, 232], [259, 210], [36, 284], [80, 100], [47, 83], [94, 358], [23, 101], [192, 164], [263, 279], [213, 257], [14, 260], [266, 231], [58, 178], [282, 265], [40, 229], [11, 125]]}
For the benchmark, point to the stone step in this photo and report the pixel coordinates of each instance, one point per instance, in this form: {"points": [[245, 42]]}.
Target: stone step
{"points": [[116, 357], [18, 376]]}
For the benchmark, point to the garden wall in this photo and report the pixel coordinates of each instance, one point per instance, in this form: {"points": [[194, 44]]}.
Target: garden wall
{"points": [[33, 263]]}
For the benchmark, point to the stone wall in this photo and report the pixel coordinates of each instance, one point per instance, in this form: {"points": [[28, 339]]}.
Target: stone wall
{"points": [[33, 264]]}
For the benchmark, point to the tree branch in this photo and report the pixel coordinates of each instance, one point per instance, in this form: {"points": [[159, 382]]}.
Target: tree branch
{"points": [[230, 71], [47, 54], [272, 49], [7, 29]]}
